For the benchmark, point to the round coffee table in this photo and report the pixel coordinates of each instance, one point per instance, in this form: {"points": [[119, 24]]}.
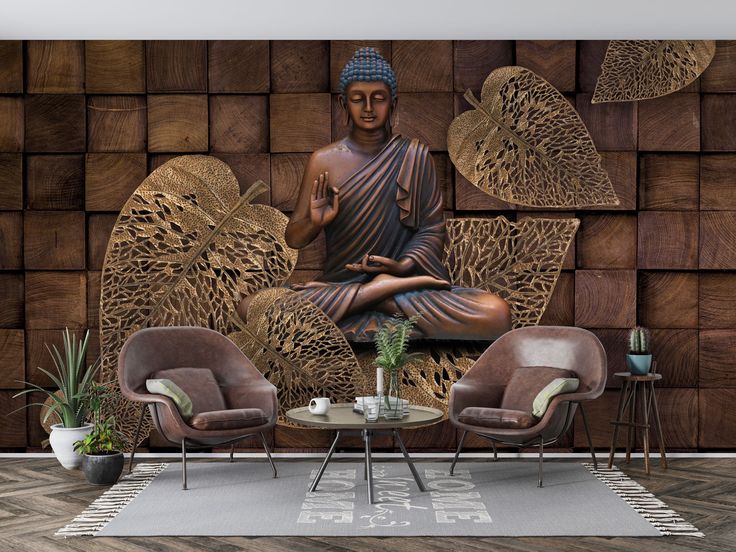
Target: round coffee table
{"points": [[342, 418]]}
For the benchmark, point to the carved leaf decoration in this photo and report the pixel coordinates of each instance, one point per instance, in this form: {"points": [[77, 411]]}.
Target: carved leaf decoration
{"points": [[185, 248], [525, 144], [520, 261], [297, 348], [645, 69]]}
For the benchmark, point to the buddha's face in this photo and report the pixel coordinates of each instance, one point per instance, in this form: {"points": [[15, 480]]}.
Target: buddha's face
{"points": [[368, 104]]}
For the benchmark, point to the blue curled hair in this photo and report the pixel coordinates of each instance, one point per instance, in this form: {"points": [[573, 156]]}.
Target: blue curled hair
{"points": [[367, 65]]}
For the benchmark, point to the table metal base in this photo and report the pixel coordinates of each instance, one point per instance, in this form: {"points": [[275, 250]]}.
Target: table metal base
{"points": [[368, 468]]}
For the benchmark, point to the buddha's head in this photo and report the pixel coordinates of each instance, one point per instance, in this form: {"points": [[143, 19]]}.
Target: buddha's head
{"points": [[368, 90]]}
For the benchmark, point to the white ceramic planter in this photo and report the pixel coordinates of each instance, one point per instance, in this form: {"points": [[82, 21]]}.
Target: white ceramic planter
{"points": [[62, 441]]}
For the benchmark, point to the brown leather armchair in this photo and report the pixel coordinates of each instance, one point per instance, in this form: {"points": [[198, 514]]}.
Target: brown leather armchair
{"points": [[231, 399], [494, 398]]}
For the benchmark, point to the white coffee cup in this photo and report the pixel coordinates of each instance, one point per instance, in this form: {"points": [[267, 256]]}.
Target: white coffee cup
{"points": [[319, 405]]}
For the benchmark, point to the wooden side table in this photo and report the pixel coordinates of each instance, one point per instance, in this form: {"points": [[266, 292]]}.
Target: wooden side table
{"points": [[635, 387]]}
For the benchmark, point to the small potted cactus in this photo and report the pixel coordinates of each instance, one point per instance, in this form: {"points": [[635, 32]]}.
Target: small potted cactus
{"points": [[639, 359]]}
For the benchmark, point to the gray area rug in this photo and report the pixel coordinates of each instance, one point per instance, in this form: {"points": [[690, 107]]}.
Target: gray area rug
{"points": [[482, 499]]}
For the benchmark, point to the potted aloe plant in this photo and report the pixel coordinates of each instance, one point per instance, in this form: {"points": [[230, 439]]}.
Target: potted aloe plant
{"points": [[71, 403], [102, 456], [639, 359]]}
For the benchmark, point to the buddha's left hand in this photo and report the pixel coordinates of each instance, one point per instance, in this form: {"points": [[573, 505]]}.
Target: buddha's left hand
{"points": [[378, 264]]}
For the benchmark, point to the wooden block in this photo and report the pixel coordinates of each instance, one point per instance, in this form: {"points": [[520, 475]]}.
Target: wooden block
{"points": [[312, 257], [247, 168], [111, 178], [670, 123], [11, 181], [238, 66], [474, 60], [444, 169], [716, 358], [56, 300], [605, 298], [55, 182], [676, 355], [300, 66], [94, 289], [599, 413], [621, 169], [668, 299], [116, 123], [55, 67], [342, 50], [99, 228], [720, 76], [422, 65], [718, 239], [302, 438], [561, 307], [115, 66], [11, 298], [339, 121], [606, 241], [11, 240], [37, 354], [613, 126], [569, 262], [36, 433], [287, 170], [591, 54], [678, 411], [54, 240], [718, 122], [718, 182], [553, 60], [55, 123], [717, 418], [12, 359], [668, 239], [426, 116], [438, 437], [717, 300], [93, 346], [469, 197], [13, 422], [11, 131], [239, 124], [11, 67], [616, 344], [157, 159], [176, 65], [299, 122], [177, 123], [669, 182]]}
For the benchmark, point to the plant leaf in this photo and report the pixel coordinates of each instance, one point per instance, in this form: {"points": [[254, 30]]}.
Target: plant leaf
{"points": [[524, 143], [646, 69]]}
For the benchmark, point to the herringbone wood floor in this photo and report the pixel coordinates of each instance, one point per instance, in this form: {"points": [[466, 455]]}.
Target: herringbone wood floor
{"points": [[37, 496]]}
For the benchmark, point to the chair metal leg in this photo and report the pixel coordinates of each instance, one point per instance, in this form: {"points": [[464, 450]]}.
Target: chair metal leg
{"points": [[541, 459], [495, 452], [619, 418], [268, 454], [367, 434], [457, 453], [232, 451], [135, 439], [587, 434], [183, 466]]}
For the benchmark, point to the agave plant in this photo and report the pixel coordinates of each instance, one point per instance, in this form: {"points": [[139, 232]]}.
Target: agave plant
{"points": [[74, 380]]}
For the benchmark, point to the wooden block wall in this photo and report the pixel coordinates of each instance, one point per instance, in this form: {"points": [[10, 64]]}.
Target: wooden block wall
{"points": [[83, 123]]}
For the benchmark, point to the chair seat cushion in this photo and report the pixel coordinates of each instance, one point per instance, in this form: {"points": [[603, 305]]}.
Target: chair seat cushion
{"points": [[499, 418], [236, 418], [199, 384], [525, 384]]}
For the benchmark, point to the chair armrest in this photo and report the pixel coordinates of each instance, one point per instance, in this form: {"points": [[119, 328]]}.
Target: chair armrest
{"points": [[154, 398], [464, 394], [261, 395]]}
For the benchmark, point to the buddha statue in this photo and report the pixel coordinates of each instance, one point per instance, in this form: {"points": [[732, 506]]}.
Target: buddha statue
{"points": [[375, 195]]}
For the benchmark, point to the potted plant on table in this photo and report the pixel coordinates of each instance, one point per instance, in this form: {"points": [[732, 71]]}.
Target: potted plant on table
{"points": [[392, 342], [639, 359], [71, 402]]}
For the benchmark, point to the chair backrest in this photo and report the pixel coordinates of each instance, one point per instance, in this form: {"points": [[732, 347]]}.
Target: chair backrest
{"points": [[152, 349]]}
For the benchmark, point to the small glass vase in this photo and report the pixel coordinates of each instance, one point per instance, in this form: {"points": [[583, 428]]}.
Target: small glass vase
{"points": [[393, 407]]}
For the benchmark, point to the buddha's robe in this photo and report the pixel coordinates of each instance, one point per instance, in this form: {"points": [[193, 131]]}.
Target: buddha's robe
{"points": [[393, 206]]}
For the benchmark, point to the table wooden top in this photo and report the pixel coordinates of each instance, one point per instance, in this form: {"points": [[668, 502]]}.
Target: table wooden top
{"points": [[638, 377], [342, 416]]}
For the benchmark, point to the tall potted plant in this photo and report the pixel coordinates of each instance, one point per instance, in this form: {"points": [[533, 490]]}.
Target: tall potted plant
{"points": [[392, 342], [75, 381], [639, 359]]}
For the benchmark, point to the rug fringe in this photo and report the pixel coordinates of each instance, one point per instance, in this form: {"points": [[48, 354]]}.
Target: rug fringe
{"points": [[109, 504], [656, 512]]}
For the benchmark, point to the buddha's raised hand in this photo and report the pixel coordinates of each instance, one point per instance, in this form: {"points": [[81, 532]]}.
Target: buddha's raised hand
{"points": [[324, 203]]}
